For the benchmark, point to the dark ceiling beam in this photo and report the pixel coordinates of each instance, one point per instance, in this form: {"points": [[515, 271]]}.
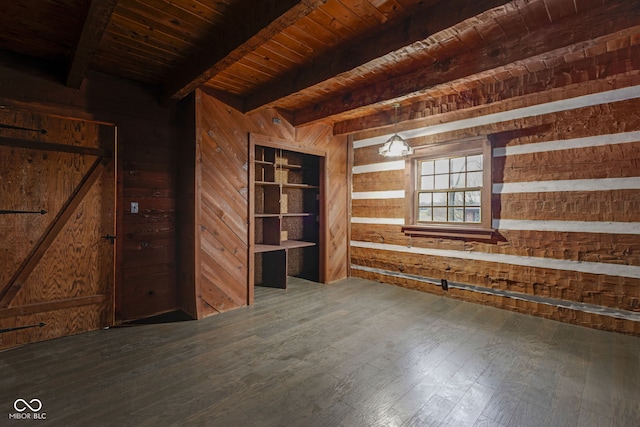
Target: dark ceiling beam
{"points": [[95, 24], [575, 32], [397, 36], [259, 23]]}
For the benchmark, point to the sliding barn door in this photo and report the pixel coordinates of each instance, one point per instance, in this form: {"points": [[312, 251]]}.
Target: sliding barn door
{"points": [[57, 226]]}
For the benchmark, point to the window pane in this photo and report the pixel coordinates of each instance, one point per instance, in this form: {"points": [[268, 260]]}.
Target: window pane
{"points": [[457, 164], [456, 214], [440, 214], [442, 182], [472, 198], [474, 163], [424, 214], [474, 179], [442, 166], [472, 214], [424, 199], [457, 180], [426, 183], [427, 168], [456, 198], [450, 189], [439, 199]]}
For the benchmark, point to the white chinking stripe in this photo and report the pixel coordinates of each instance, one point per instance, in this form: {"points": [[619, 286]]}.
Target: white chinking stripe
{"points": [[391, 194], [379, 167], [380, 221], [568, 226], [539, 147], [630, 271], [518, 113], [566, 144], [603, 184]]}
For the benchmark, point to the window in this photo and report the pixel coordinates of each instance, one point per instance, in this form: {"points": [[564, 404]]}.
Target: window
{"points": [[449, 190]]}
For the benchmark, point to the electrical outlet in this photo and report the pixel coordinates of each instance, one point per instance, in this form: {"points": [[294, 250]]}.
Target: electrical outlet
{"points": [[444, 284], [134, 207]]}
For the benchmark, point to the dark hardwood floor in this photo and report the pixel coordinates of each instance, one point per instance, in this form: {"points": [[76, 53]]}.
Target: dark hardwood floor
{"points": [[357, 353]]}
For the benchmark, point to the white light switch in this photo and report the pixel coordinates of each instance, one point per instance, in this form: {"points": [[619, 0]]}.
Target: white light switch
{"points": [[134, 207]]}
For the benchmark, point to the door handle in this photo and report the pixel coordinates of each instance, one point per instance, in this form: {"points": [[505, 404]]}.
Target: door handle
{"points": [[110, 238]]}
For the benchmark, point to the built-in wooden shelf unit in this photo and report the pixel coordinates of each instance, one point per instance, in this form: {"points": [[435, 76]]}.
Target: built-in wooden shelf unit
{"points": [[286, 213]]}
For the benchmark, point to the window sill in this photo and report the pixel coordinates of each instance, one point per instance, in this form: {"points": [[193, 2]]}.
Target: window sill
{"points": [[473, 233]]}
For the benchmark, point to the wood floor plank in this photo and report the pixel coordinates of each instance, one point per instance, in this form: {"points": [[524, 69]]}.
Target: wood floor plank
{"points": [[355, 353]]}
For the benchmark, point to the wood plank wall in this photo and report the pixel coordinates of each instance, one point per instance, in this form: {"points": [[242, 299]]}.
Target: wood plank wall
{"points": [[566, 206], [147, 135], [57, 275], [220, 273]]}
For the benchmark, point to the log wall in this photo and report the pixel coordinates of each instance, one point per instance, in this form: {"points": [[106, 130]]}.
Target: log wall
{"points": [[214, 216], [565, 202], [147, 138]]}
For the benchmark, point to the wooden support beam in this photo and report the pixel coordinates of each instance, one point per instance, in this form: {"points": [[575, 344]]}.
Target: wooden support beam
{"points": [[570, 34], [49, 146], [253, 27], [398, 36], [40, 307], [94, 26]]}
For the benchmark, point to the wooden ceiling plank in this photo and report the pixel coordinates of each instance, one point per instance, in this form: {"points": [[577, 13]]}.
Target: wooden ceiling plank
{"points": [[175, 14], [576, 31], [318, 24], [388, 9], [343, 16], [94, 26], [260, 24], [136, 31], [314, 44], [398, 35], [145, 53], [372, 16], [153, 50], [276, 53], [210, 12], [142, 18]]}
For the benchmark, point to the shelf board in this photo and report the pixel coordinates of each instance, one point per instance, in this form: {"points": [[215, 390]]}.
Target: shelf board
{"points": [[289, 185], [294, 214], [287, 166], [263, 163], [266, 183], [292, 244], [267, 215], [260, 248]]}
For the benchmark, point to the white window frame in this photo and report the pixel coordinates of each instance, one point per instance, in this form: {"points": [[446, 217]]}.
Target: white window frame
{"points": [[465, 147]]}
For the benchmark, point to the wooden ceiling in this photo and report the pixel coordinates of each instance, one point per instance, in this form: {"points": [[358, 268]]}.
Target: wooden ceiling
{"points": [[316, 60]]}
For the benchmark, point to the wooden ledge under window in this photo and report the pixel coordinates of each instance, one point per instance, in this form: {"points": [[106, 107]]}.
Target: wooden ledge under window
{"points": [[474, 233]]}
